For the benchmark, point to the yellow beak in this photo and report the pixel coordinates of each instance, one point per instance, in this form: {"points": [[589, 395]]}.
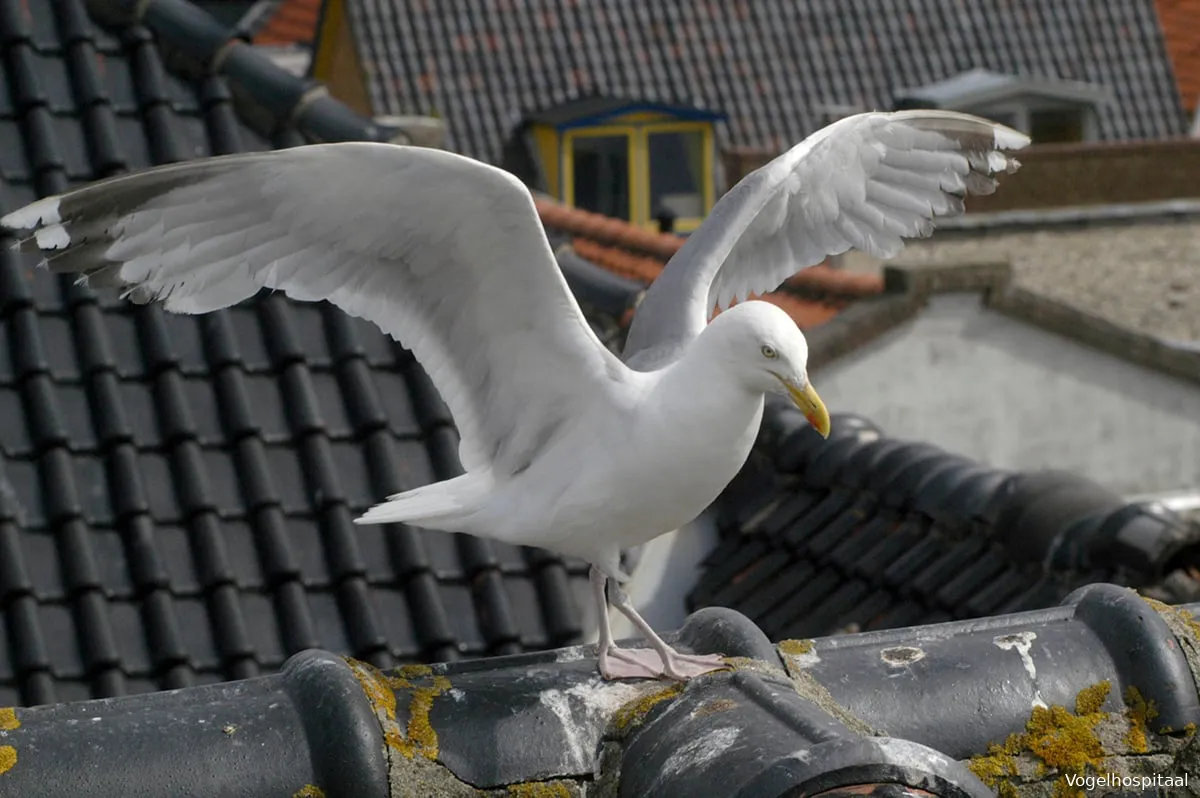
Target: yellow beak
{"points": [[811, 405]]}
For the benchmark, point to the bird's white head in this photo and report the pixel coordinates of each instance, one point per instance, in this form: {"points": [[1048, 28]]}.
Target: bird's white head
{"points": [[760, 345]]}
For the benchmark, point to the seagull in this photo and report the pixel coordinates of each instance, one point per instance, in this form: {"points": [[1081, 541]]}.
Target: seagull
{"points": [[564, 444]]}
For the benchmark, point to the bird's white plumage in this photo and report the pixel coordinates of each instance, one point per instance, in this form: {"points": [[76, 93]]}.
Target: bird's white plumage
{"points": [[866, 182], [564, 446]]}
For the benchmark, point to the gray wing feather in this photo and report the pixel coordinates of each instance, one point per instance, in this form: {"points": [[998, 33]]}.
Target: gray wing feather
{"points": [[867, 182], [444, 253]]}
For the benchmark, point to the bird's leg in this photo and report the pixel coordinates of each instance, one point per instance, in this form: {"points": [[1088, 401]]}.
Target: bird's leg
{"points": [[619, 663], [674, 664]]}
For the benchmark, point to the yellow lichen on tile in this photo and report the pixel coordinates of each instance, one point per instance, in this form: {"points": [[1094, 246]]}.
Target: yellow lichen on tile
{"points": [[8, 758], [309, 791], [380, 689], [1140, 712], [1064, 740], [8, 719], [796, 648], [632, 713], [539, 789]]}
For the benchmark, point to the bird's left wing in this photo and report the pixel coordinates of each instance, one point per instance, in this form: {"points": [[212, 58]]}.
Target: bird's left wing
{"points": [[866, 182], [444, 253]]}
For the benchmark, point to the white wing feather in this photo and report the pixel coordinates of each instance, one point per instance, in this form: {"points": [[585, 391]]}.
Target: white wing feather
{"points": [[868, 181], [444, 253]]}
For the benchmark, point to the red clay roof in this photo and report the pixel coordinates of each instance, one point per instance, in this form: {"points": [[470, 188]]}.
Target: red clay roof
{"points": [[812, 297], [294, 22], [1180, 20]]}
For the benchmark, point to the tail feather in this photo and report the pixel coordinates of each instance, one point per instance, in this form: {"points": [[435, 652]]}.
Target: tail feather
{"points": [[426, 505]]}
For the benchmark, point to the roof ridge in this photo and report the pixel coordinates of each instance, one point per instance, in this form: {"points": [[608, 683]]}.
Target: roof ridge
{"points": [[207, 46]]}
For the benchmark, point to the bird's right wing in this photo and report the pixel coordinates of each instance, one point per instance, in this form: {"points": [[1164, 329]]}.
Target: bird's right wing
{"points": [[444, 253], [867, 182]]}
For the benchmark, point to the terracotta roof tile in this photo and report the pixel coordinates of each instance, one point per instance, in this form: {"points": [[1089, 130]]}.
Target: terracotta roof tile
{"points": [[294, 22], [607, 229], [1180, 20], [811, 298]]}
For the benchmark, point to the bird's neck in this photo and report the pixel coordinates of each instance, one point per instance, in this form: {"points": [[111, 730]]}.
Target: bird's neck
{"points": [[700, 388]]}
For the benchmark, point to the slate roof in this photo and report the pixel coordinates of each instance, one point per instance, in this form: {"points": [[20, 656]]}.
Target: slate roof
{"points": [[1180, 20], [176, 492], [778, 70]]}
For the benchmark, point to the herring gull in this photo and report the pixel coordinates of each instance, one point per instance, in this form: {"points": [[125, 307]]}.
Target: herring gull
{"points": [[564, 445]]}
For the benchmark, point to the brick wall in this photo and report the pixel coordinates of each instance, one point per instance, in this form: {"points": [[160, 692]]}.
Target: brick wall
{"points": [[1059, 175]]}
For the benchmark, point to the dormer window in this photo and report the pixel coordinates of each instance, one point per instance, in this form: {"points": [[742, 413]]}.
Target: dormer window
{"points": [[641, 162], [1048, 110]]}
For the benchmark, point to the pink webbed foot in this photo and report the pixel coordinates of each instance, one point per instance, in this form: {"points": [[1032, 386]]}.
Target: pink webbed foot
{"points": [[645, 663], [630, 663], [682, 667]]}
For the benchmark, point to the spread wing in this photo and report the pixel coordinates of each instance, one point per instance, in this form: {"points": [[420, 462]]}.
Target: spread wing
{"points": [[442, 252], [868, 181]]}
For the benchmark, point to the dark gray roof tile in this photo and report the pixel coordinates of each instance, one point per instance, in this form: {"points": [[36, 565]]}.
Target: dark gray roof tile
{"points": [[778, 70]]}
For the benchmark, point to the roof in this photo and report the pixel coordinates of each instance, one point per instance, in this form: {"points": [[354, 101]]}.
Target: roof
{"points": [[597, 108], [864, 531], [778, 70], [286, 22], [1136, 272], [804, 718], [811, 297], [1180, 20], [980, 86], [176, 492]]}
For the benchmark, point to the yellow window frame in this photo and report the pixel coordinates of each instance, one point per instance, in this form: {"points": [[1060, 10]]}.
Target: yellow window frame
{"points": [[635, 163], [638, 153], [707, 177]]}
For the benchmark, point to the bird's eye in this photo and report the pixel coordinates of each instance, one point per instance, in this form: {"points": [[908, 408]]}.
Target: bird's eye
{"points": [[769, 352]]}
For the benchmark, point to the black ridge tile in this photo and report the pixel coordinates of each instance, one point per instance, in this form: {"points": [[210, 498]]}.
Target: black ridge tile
{"points": [[258, 610], [91, 478], [173, 546], [727, 569], [44, 571], [288, 477], [799, 605], [134, 142], [327, 621], [395, 616], [824, 513], [1000, 588], [835, 611], [460, 609], [62, 645], [194, 624], [296, 625], [233, 640], [908, 613], [279, 561], [751, 579], [132, 648], [241, 553], [266, 403], [14, 431], [935, 574], [306, 542], [329, 404], [774, 589], [97, 643], [15, 576], [365, 632], [848, 524]]}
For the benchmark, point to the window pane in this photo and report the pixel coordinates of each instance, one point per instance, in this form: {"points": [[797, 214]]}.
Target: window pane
{"points": [[601, 174], [1056, 126], [676, 174]]}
